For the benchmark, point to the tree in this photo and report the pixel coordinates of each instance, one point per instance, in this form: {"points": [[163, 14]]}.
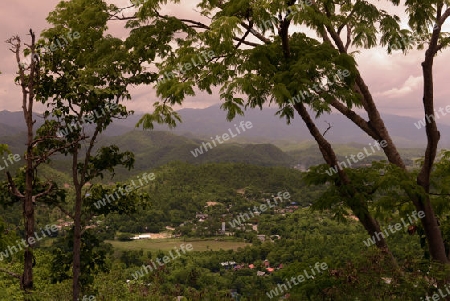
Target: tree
{"points": [[26, 187], [84, 84], [252, 48]]}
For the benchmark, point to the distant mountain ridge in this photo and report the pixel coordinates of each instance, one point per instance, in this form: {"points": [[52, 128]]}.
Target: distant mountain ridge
{"points": [[155, 148], [267, 128]]}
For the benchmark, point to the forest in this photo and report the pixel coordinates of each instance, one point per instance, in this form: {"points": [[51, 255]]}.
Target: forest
{"points": [[92, 210]]}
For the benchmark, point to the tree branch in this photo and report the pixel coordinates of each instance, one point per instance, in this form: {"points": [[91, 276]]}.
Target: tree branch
{"points": [[256, 34], [353, 116], [345, 23], [12, 187], [46, 192], [329, 127], [439, 194], [65, 211], [444, 17], [42, 158], [241, 40], [349, 39], [10, 273]]}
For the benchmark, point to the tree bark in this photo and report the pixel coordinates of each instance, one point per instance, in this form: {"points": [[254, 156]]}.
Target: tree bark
{"points": [[432, 231], [28, 85], [76, 285], [360, 208], [28, 206], [376, 128]]}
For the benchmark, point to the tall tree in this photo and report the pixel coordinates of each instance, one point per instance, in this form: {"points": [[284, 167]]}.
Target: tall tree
{"points": [[259, 49], [28, 79], [84, 84]]}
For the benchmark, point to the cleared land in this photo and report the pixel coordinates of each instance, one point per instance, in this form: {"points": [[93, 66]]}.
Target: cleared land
{"points": [[169, 244]]}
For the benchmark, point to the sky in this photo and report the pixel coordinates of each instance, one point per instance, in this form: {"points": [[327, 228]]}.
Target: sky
{"points": [[395, 80]]}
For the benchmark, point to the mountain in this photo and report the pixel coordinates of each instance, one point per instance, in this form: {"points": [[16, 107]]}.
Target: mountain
{"points": [[155, 148], [266, 127], [270, 128]]}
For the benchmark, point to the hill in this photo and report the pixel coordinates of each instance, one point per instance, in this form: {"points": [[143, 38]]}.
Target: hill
{"points": [[267, 127], [156, 148]]}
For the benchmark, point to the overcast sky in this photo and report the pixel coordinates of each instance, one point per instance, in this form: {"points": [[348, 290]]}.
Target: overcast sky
{"points": [[395, 80]]}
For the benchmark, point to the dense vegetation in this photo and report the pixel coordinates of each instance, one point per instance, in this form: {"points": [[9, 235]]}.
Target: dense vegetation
{"points": [[178, 193], [72, 211]]}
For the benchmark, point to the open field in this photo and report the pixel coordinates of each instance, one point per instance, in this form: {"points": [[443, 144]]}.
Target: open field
{"points": [[168, 244]]}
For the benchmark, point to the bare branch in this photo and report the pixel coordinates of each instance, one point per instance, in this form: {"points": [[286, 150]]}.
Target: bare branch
{"points": [[241, 40], [256, 34], [46, 192], [12, 187], [42, 158], [439, 194], [329, 127], [349, 37], [10, 273]]}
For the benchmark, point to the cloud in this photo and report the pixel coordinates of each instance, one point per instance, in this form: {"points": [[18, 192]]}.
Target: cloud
{"points": [[389, 77], [411, 84]]}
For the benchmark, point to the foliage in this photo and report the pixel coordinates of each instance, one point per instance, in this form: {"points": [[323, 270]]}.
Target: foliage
{"points": [[93, 258]]}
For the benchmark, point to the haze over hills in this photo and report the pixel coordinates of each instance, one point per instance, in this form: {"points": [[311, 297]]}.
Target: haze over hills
{"points": [[267, 128], [270, 128], [155, 148]]}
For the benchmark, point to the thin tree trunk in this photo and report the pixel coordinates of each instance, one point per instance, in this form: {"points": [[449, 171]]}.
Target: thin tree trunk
{"points": [[360, 208], [28, 208], [432, 231], [377, 129], [28, 86], [76, 285]]}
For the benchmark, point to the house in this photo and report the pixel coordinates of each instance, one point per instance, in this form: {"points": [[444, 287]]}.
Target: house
{"points": [[261, 237], [275, 237], [142, 236], [201, 216], [228, 264]]}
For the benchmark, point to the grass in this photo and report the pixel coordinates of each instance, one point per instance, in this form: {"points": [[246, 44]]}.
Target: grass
{"points": [[169, 244]]}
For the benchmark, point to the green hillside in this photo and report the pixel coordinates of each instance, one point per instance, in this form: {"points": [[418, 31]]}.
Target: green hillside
{"points": [[156, 148]]}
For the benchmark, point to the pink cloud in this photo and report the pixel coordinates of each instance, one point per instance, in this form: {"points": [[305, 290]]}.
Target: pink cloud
{"points": [[395, 80]]}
